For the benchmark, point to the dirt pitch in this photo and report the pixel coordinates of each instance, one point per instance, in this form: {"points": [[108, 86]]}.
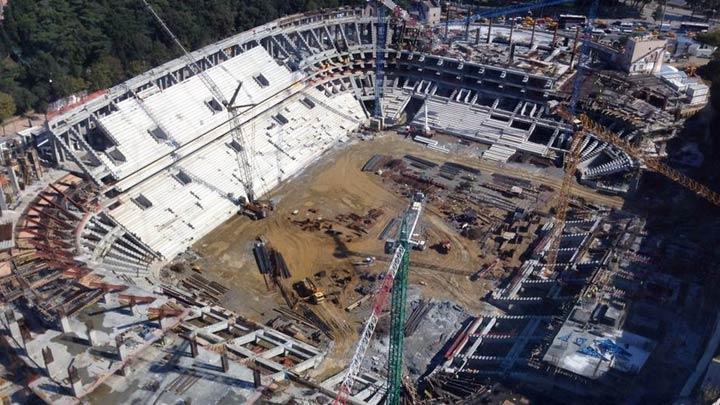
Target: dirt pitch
{"points": [[332, 186]]}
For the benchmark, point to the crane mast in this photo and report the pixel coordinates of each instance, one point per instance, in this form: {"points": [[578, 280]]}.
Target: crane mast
{"points": [[379, 59], [243, 155], [397, 320], [381, 297], [572, 158], [395, 280]]}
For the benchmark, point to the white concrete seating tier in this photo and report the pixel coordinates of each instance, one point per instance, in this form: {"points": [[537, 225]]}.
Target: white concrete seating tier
{"points": [[182, 109], [478, 123], [182, 213]]}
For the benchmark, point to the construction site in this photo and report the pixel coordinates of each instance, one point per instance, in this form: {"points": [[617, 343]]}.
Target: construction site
{"points": [[368, 205]]}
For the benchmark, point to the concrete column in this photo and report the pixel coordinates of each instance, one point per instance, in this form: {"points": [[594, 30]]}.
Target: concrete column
{"points": [[91, 337], [447, 20], [47, 359], [119, 347], [3, 202], [225, 363], [193, 347], [65, 325], [57, 154], [512, 29], [36, 163], [467, 24], [25, 333], [14, 180], [257, 378], [123, 371], [75, 383], [489, 30], [477, 36], [131, 306], [575, 45], [14, 327], [532, 35]]}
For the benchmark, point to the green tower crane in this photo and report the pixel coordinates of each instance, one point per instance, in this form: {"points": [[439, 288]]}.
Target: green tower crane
{"points": [[398, 303]]}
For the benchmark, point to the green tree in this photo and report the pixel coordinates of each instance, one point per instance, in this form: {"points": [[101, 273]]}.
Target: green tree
{"points": [[657, 13], [711, 38], [7, 108], [105, 72], [704, 7], [58, 47]]}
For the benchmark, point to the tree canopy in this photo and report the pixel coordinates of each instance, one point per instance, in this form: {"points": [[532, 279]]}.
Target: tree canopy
{"points": [[7, 106], [52, 48], [711, 38], [704, 7]]}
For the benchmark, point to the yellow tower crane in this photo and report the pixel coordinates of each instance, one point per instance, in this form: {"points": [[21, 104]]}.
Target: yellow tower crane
{"points": [[582, 126]]}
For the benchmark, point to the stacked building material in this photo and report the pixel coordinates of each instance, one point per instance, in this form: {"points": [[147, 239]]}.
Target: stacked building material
{"points": [[375, 163], [203, 288], [421, 163], [416, 316]]}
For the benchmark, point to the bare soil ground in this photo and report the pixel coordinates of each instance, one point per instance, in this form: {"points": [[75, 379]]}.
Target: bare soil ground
{"points": [[331, 187], [334, 186]]}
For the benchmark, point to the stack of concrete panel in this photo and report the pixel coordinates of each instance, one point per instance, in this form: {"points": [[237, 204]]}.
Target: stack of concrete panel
{"points": [[499, 153]]}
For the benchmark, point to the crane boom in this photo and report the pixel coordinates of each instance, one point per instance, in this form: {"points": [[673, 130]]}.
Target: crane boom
{"points": [[241, 149], [207, 81], [652, 163]]}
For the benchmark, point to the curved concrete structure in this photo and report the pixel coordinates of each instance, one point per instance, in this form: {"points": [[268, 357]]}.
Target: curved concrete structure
{"points": [[160, 147]]}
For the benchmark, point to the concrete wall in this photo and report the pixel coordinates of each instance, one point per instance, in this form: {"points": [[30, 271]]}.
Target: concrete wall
{"points": [[643, 56]]}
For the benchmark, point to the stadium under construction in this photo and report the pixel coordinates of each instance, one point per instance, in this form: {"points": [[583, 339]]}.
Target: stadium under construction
{"points": [[363, 205]]}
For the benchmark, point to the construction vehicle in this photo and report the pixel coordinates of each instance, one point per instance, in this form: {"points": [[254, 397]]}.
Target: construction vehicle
{"points": [[317, 297], [528, 22], [258, 209], [443, 247], [308, 291], [550, 23], [419, 131]]}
